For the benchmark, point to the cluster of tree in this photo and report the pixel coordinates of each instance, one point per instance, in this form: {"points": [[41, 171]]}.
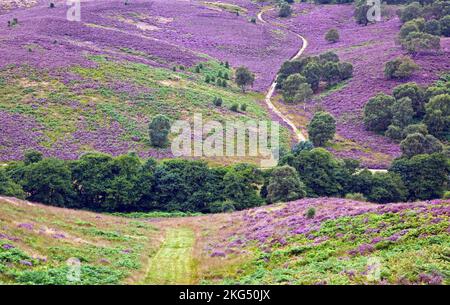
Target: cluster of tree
{"points": [[401, 67], [298, 79], [414, 115], [103, 183], [100, 182], [319, 174], [423, 25]]}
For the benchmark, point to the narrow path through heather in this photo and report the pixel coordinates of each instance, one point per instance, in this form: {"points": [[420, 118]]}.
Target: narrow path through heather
{"points": [[173, 263]]}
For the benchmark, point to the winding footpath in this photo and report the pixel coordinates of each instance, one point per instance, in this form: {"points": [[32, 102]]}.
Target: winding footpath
{"points": [[268, 98]]}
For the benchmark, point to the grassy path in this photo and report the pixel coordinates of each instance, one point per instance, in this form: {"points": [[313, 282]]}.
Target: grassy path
{"points": [[173, 263]]}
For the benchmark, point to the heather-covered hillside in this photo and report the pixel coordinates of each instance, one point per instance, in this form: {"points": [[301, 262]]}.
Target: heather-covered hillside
{"points": [[342, 242]]}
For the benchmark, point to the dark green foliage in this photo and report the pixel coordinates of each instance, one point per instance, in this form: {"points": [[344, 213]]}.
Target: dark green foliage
{"points": [[411, 11], [402, 112], [437, 115], [218, 101], [310, 213], [32, 156], [159, 129], [345, 70], [241, 182], [416, 128], [401, 67], [244, 78], [49, 181], [445, 26], [312, 72], [234, 107], [332, 35], [301, 146], [360, 13], [295, 89], [321, 128], [322, 174], [433, 27], [417, 143], [285, 10], [284, 185], [415, 93], [244, 107], [418, 42], [379, 187], [331, 72], [394, 132], [377, 114], [425, 176], [10, 188]]}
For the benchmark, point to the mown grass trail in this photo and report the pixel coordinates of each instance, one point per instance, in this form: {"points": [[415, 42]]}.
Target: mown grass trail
{"points": [[173, 263]]}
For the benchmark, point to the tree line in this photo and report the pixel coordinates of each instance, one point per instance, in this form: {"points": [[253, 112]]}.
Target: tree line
{"points": [[125, 183]]}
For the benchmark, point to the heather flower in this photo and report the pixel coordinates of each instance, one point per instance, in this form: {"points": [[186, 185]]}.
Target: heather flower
{"points": [[26, 263], [218, 253], [27, 226], [7, 246]]}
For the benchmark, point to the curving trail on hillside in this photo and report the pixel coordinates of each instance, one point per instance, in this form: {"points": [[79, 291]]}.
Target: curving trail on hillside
{"points": [[268, 98], [300, 136]]}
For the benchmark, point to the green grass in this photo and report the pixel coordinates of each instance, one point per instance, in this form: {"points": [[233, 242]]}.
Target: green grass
{"points": [[173, 263]]}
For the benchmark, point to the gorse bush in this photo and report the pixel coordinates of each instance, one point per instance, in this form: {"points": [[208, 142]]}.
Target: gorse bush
{"points": [[332, 35], [401, 67]]}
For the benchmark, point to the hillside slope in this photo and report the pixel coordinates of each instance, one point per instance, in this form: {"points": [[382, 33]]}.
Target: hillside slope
{"points": [[341, 242]]}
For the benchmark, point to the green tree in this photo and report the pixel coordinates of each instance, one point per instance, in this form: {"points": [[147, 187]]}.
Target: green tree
{"points": [[10, 188], [312, 73], [433, 27], [291, 87], [322, 174], [321, 128], [285, 10], [49, 181], [417, 143], [402, 112], [417, 42], [332, 35], [414, 93], [159, 129], [425, 176], [345, 70], [244, 78], [445, 26], [240, 186], [285, 185], [437, 115], [377, 113], [411, 11], [401, 67], [331, 73]]}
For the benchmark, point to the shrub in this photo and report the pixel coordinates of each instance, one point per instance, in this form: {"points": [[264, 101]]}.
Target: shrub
{"points": [[345, 70], [331, 72], [310, 213], [227, 65], [321, 128], [32, 156], [253, 20], [295, 88], [234, 107], [197, 69], [285, 10], [159, 129], [10, 188], [243, 107], [417, 42], [218, 101], [355, 196], [207, 79], [407, 28], [401, 67], [224, 83], [332, 35], [52, 5]]}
